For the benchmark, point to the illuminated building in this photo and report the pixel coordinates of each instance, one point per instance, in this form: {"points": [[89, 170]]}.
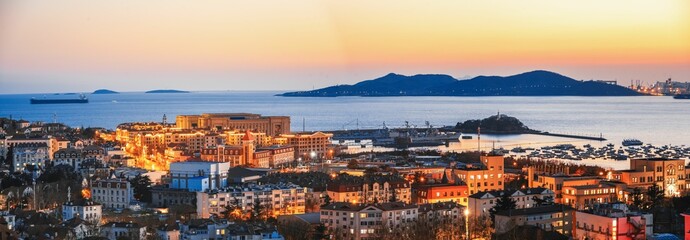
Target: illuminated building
{"points": [[555, 217], [189, 175], [556, 183], [308, 146], [612, 221], [25, 154], [668, 174], [584, 196], [271, 125], [278, 199], [362, 221], [370, 189], [480, 203], [441, 192], [112, 193], [75, 157], [87, 210], [486, 176]]}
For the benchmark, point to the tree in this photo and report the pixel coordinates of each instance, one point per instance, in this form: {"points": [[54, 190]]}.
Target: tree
{"points": [[547, 200], [638, 202], [655, 195], [326, 200], [320, 232], [503, 203], [257, 211], [141, 185]]}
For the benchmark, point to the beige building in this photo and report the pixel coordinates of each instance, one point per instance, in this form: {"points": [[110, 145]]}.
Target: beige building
{"points": [[277, 199], [584, 196], [669, 174], [363, 221], [308, 146], [370, 189], [271, 125], [487, 176], [556, 183]]}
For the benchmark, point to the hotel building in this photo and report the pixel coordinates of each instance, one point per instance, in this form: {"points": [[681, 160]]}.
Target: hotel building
{"points": [[271, 125]]}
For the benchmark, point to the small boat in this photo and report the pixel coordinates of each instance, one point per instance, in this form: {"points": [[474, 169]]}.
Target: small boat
{"points": [[682, 96], [466, 137], [632, 142]]}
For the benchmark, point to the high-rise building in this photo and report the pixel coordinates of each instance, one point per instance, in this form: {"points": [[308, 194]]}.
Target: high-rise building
{"points": [[485, 176]]}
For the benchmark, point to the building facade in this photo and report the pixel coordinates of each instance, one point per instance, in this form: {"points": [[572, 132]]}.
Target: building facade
{"points": [[480, 203], [487, 176], [112, 193], [271, 125], [276, 199]]}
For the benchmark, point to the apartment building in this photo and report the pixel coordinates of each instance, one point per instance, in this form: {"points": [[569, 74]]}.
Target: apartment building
{"points": [[308, 145], [555, 217], [191, 174], [114, 193], [361, 221], [276, 199], [480, 203], [668, 174], [86, 210], [25, 154], [484, 176]]}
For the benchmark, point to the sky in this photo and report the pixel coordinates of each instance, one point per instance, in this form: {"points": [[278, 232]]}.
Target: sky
{"points": [[133, 45]]}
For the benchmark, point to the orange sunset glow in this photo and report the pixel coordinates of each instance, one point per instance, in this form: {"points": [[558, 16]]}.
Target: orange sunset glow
{"points": [[134, 45]]}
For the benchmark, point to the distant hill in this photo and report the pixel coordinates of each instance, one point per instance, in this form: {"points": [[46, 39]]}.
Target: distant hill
{"points": [[166, 91], [104, 91], [535, 83]]}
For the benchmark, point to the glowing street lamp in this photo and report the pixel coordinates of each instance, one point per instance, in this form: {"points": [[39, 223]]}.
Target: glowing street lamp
{"points": [[467, 223]]}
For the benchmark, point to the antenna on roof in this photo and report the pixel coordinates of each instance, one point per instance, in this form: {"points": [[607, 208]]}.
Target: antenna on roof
{"points": [[303, 125]]}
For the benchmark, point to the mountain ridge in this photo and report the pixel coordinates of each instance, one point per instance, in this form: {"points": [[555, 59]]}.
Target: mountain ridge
{"points": [[533, 83]]}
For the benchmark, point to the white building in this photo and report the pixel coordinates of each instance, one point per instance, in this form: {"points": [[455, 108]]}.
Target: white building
{"points": [[114, 230], [279, 199], [84, 209], [114, 193], [480, 203], [29, 154], [184, 175], [353, 221]]}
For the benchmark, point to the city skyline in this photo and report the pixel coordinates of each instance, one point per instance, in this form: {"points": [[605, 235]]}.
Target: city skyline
{"points": [[80, 46]]}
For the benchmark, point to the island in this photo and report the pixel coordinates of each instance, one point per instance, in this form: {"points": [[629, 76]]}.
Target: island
{"points": [[104, 91], [167, 91], [497, 124], [534, 83]]}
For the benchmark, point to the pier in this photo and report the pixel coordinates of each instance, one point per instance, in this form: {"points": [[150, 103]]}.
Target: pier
{"points": [[600, 138]]}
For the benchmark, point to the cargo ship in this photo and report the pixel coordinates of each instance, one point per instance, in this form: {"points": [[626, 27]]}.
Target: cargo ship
{"points": [[81, 99]]}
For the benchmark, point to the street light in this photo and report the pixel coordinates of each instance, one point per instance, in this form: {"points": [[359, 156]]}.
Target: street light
{"points": [[467, 223]]}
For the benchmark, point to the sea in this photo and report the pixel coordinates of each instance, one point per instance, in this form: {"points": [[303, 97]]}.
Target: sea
{"points": [[651, 119]]}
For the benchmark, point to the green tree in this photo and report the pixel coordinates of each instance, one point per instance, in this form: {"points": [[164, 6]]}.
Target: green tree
{"points": [[142, 188], [326, 200], [257, 210], [547, 200], [503, 203], [638, 202], [655, 194], [320, 232]]}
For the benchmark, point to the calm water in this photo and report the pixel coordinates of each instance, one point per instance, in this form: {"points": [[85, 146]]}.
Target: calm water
{"points": [[657, 120]]}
